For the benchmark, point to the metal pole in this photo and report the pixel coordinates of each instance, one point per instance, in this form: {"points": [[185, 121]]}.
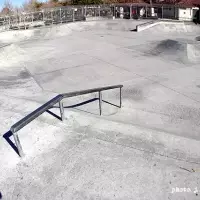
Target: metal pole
{"points": [[43, 15], [85, 11], [24, 22], [52, 16], [61, 110], [18, 145], [100, 102], [82, 12], [162, 12], [60, 15], [19, 22], [174, 10], [9, 22], [131, 11], [73, 14], [146, 11], [120, 93], [99, 12], [136, 10]]}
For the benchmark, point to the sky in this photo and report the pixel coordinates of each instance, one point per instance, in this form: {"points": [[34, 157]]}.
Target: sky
{"points": [[14, 2]]}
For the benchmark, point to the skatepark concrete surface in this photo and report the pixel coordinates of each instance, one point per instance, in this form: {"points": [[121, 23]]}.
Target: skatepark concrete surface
{"points": [[147, 150]]}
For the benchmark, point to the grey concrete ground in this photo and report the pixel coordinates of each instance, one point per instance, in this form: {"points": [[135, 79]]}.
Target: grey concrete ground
{"points": [[148, 149]]}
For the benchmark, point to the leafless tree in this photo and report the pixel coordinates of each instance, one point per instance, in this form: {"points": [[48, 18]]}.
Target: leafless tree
{"points": [[7, 8]]}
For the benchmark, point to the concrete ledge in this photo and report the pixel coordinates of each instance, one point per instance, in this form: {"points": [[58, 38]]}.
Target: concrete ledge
{"points": [[97, 18], [146, 25]]}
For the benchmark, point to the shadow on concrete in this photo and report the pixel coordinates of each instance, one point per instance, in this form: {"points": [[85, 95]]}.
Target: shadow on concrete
{"points": [[133, 30], [85, 111], [54, 115], [7, 136], [82, 103], [78, 104], [0, 195]]}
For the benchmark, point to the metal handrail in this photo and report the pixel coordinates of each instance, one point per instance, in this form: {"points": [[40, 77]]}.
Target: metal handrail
{"points": [[58, 99], [36, 113]]}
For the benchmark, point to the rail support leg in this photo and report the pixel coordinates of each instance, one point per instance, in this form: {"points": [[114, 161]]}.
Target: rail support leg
{"points": [[100, 102], [18, 145], [120, 100], [62, 114]]}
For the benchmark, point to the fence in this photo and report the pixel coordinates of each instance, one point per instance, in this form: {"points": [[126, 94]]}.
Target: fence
{"points": [[79, 13], [54, 16], [58, 99]]}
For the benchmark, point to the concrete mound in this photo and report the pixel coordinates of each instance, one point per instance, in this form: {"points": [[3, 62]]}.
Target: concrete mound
{"points": [[168, 46], [11, 54], [181, 51], [198, 38], [47, 32], [15, 36]]}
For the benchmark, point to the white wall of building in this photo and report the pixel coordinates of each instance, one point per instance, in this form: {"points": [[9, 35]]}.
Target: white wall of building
{"points": [[186, 14]]}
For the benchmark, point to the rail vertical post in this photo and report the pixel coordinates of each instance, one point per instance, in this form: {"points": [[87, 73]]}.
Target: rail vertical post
{"points": [[62, 114], [120, 96], [100, 102], [18, 145]]}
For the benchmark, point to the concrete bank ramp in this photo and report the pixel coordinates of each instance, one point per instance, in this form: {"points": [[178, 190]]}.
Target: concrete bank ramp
{"points": [[49, 32], [176, 27], [193, 53], [180, 50], [168, 27], [12, 53]]}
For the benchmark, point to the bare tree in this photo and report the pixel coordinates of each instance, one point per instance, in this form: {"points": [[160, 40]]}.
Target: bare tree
{"points": [[31, 5], [7, 8]]}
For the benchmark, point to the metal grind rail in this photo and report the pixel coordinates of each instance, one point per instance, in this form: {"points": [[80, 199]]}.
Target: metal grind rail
{"points": [[58, 99]]}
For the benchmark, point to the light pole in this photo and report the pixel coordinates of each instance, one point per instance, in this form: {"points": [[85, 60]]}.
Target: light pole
{"points": [[151, 7]]}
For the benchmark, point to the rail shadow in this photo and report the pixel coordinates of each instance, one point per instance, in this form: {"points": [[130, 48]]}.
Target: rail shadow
{"points": [[54, 115], [133, 30], [7, 136], [79, 104]]}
